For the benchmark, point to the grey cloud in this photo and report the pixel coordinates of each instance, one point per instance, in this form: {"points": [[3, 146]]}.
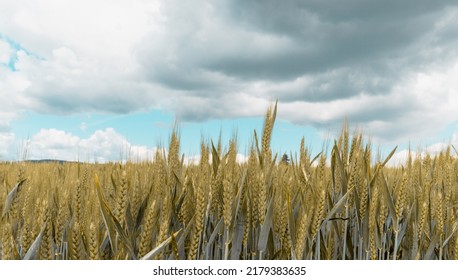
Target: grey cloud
{"points": [[195, 108], [290, 16], [109, 98], [222, 59], [384, 39], [183, 80], [340, 84], [312, 52], [327, 45]]}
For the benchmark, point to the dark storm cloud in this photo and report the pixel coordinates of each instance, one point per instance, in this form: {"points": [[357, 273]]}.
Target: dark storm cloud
{"points": [[331, 34], [285, 16], [343, 48]]}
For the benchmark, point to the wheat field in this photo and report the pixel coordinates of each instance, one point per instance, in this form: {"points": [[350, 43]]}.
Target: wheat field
{"points": [[342, 204]]}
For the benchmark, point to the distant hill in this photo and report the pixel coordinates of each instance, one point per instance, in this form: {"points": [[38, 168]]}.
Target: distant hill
{"points": [[48, 161]]}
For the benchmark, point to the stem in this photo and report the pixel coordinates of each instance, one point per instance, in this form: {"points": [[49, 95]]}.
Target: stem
{"points": [[226, 244], [344, 249], [395, 251]]}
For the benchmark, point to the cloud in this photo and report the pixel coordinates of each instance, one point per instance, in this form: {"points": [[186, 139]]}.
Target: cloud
{"points": [[366, 62], [5, 53], [102, 146], [401, 157], [73, 57], [6, 144], [66, 83], [419, 106], [389, 67]]}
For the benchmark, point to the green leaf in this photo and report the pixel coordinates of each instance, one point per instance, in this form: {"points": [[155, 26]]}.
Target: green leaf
{"points": [[142, 210], [34, 248], [237, 238], [235, 210], [336, 207], [238, 232], [454, 228], [130, 226], [389, 156], [182, 240], [111, 223], [389, 199], [177, 178], [432, 245], [213, 236], [315, 158], [456, 152], [215, 159], [265, 227], [104, 209], [160, 247], [11, 196]]}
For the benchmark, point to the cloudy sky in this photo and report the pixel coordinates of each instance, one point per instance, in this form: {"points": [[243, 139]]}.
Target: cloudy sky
{"points": [[101, 80]]}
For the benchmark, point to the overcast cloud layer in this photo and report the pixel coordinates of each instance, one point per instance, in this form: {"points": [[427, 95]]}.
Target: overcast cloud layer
{"points": [[390, 66]]}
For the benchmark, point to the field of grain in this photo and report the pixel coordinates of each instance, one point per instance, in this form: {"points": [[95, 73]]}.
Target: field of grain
{"points": [[341, 204]]}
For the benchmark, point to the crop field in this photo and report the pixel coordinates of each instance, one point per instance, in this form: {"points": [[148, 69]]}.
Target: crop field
{"points": [[345, 203]]}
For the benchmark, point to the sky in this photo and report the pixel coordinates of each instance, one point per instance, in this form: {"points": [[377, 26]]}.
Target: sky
{"points": [[98, 80]]}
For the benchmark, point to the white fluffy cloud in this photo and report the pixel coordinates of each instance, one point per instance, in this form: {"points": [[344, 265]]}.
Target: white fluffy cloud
{"points": [[73, 56], [102, 146], [6, 144], [418, 107], [400, 157]]}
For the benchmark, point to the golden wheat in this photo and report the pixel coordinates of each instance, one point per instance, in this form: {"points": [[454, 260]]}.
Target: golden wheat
{"points": [[347, 205]]}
